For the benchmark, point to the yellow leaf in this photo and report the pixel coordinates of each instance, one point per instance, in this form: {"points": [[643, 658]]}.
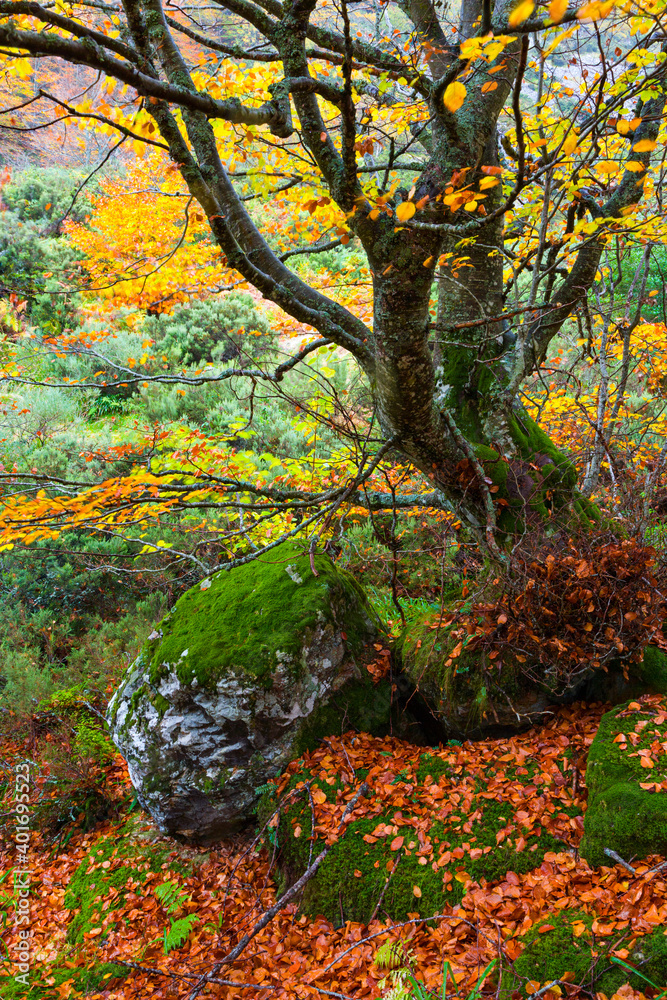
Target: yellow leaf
{"points": [[470, 206], [644, 146], [405, 211], [521, 13], [488, 182], [635, 166], [595, 10], [462, 877], [487, 87], [608, 167], [622, 127], [454, 96], [557, 10]]}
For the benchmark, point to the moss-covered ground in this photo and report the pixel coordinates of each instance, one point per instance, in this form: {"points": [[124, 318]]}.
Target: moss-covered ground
{"points": [[565, 946], [117, 866], [256, 615], [627, 782], [432, 823], [473, 811]]}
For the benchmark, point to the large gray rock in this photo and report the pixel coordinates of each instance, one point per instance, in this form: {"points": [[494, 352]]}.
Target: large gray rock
{"points": [[248, 670]]}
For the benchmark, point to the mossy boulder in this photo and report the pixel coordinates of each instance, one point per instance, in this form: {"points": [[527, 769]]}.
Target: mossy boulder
{"points": [[564, 946], [472, 697], [469, 697], [626, 779], [250, 668], [430, 825]]}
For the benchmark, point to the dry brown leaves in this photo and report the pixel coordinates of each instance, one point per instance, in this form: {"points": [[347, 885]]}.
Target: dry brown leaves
{"points": [[295, 955]]}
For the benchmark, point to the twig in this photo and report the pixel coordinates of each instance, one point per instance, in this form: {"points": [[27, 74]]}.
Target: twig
{"points": [[619, 860], [311, 552], [278, 906], [545, 989], [191, 975], [385, 887]]}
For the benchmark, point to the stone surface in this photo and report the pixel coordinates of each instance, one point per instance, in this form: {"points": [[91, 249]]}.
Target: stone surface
{"points": [[249, 669], [468, 699], [627, 783], [472, 698]]}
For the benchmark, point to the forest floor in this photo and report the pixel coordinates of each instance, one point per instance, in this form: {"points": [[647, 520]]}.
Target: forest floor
{"points": [[94, 904]]}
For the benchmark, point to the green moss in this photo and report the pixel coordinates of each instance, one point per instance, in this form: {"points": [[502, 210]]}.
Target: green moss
{"points": [[436, 852], [463, 691], [256, 615], [159, 703], [360, 705], [654, 670], [550, 954], [621, 815], [90, 980], [91, 883]]}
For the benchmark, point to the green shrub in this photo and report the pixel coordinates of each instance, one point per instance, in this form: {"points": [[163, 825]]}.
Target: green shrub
{"points": [[24, 682], [22, 258], [215, 330], [39, 270], [40, 194]]}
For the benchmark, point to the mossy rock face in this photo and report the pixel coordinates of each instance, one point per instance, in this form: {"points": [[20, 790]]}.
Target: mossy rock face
{"points": [[563, 946], [430, 825], [626, 779], [471, 699], [247, 670], [468, 700]]}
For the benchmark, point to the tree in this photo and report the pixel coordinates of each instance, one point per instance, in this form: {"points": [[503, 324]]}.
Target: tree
{"points": [[447, 149]]}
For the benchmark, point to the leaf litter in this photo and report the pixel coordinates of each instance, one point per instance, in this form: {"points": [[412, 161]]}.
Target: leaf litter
{"points": [[296, 956]]}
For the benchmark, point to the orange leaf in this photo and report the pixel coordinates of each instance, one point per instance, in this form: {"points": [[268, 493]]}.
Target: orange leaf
{"points": [[454, 96], [405, 211]]}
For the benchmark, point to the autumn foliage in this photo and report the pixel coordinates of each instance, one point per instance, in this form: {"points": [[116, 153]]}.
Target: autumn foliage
{"points": [[567, 609], [301, 958]]}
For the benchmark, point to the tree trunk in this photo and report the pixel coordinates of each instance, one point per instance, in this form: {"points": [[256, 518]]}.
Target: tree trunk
{"points": [[441, 388]]}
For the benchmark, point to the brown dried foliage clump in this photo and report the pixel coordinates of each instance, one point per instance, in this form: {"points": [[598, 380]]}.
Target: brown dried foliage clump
{"points": [[570, 606]]}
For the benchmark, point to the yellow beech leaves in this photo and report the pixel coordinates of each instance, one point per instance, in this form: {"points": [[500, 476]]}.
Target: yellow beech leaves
{"points": [[454, 96], [521, 13], [405, 211], [557, 10]]}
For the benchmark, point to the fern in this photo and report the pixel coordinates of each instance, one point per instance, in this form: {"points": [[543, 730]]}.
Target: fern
{"points": [[393, 955], [173, 899], [179, 932], [170, 896]]}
